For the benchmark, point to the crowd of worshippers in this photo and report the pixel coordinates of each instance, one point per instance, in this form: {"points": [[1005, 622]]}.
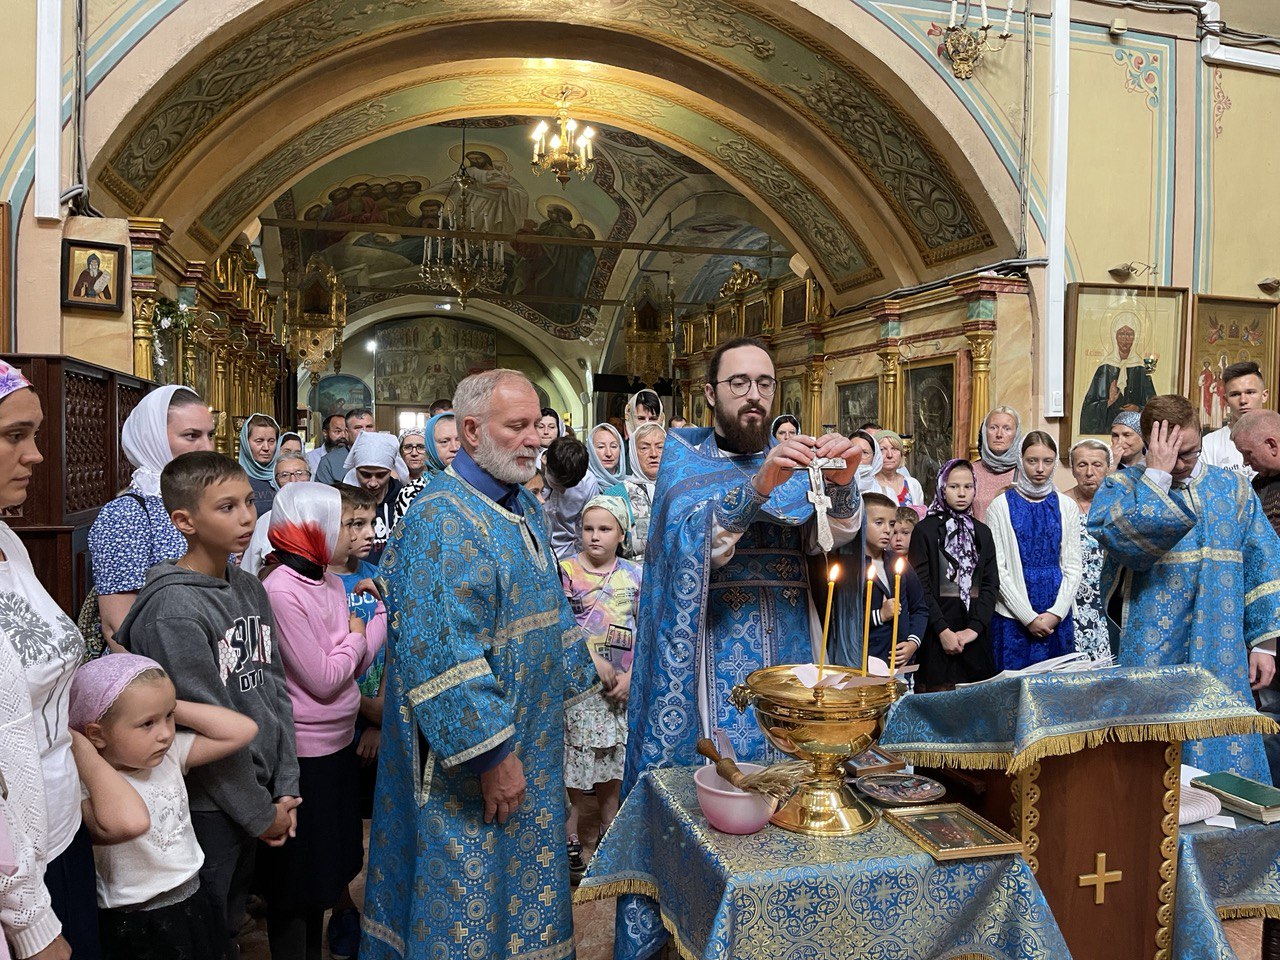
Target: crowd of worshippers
{"points": [[204, 742]]}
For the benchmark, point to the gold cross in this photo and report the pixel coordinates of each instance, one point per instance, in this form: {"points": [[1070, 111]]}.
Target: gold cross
{"points": [[1100, 877]]}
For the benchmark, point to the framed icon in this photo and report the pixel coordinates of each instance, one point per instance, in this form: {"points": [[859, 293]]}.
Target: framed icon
{"points": [[93, 276], [951, 831]]}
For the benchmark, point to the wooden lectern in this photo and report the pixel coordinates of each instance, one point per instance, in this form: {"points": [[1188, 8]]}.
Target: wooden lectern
{"points": [[1085, 769]]}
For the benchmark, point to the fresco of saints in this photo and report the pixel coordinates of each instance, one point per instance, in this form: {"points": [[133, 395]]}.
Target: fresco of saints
{"points": [[1121, 382]]}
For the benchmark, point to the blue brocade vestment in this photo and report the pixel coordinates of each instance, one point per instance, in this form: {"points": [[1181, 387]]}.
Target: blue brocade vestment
{"points": [[1195, 576], [483, 649], [703, 630]]}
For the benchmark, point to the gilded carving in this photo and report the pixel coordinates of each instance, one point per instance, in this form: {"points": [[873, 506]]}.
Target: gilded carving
{"points": [[1169, 850], [1026, 812]]}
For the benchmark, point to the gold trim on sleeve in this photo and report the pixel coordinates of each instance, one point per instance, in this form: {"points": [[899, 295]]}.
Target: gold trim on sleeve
{"points": [[456, 675]]}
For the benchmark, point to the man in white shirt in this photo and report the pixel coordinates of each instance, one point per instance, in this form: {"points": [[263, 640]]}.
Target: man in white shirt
{"points": [[1245, 391]]}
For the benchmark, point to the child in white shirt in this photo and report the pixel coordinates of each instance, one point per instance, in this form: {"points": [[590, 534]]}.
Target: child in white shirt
{"points": [[132, 761]]}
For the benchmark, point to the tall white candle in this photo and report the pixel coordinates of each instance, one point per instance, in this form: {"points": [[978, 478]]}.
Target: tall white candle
{"points": [[985, 21], [1008, 18], [952, 21]]}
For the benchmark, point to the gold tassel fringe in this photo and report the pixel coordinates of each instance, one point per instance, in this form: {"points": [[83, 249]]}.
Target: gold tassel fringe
{"points": [[615, 888], [1068, 743], [1240, 912]]}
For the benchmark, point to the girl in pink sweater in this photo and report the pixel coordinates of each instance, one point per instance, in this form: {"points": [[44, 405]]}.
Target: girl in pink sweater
{"points": [[324, 649]]}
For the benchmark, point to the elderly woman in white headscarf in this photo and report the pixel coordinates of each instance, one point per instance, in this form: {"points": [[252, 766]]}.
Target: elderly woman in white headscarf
{"points": [[132, 532], [646, 445], [371, 463]]}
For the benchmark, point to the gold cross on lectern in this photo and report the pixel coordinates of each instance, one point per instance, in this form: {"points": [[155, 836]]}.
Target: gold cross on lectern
{"points": [[1100, 877]]}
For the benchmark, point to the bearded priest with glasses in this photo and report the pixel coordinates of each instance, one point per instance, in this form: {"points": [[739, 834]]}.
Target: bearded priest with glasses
{"points": [[726, 587]]}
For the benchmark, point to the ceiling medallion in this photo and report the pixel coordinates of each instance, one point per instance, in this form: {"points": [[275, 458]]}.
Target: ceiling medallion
{"points": [[457, 260], [567, 151]]}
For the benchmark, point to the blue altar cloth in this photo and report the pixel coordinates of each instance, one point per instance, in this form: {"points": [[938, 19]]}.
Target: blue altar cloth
{"points": [[779, 894], [1232, 872], [1012, 723]]}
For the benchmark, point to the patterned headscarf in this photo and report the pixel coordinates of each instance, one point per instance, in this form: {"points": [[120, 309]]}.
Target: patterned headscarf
{"points": [[1011, 458], [145, 438], [959, 545], [607, 478], [98, 684], [306, 519], [617, 506], [434, 463], [256, 470], [1131, 419], [11, 379]]}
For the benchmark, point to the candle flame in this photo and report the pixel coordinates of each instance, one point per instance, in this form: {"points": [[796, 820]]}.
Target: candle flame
{"points": [[900, 566], [871, 571], [834, 573]]}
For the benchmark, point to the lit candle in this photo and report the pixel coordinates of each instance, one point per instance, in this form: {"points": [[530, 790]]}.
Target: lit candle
{"points": [[1008, 18], [952, 22], [866, 617], [897, 608], [832, 576]]}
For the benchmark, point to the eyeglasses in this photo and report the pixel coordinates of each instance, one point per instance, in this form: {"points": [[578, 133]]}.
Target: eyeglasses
{"points": [[740, 385], [293, 475], [414, 448]]}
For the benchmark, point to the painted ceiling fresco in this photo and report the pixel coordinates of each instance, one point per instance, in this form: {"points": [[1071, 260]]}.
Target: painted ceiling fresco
{"points": [[404, 180], [831, 94]]}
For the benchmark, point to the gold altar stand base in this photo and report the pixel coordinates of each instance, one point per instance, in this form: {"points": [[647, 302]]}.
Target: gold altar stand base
{"points": [[1100, 830]]}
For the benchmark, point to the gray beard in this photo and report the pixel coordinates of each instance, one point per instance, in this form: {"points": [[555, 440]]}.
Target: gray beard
{"points": [[502, 465]]}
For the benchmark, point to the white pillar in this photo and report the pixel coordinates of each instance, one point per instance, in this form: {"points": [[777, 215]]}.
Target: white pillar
{"points": [[1056, 270], [48, 181]]}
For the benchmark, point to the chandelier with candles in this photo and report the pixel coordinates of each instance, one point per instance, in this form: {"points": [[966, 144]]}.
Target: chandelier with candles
{"points": [[567, 151]]}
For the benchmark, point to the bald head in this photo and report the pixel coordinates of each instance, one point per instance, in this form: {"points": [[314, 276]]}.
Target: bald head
{"points": [[1257, 436]]}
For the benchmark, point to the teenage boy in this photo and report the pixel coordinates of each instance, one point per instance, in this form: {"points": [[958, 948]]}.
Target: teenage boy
{"points": [[904, 522], [349, 564], [1244, 391], [209, 624], [880, 513]]}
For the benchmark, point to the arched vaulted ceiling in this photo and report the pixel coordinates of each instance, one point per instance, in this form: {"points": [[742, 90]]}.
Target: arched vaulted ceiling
{"points": [[873, 193]]}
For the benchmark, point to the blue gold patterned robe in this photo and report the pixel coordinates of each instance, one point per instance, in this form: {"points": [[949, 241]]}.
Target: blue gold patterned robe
{"points": [[702, 630], [483, 648], [1195, 577]]}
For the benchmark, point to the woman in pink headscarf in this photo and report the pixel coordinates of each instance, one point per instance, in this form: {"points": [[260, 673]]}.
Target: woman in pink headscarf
{"points": [[47, 904]]}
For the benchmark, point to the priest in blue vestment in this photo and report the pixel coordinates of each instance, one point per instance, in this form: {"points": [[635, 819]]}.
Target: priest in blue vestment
{"points": [[467, 846], [1192, 572], [726, 587]]}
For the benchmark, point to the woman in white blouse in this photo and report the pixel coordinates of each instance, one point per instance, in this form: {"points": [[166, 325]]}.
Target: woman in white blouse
{"points": [[894, 483], [1035, 529]]}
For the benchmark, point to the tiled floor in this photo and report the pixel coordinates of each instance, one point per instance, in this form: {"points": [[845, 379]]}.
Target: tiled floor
{"points": [[593, 922]]}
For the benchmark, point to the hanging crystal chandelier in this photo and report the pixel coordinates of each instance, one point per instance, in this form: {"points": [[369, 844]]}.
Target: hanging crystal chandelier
{"points": [[460, 263], [566, 152]]}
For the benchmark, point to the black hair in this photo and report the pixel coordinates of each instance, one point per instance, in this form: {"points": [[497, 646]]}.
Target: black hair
{"points": [[185, 398], [443, 405], [359, 412], [649, 400], [566, 461], [713, 365], [1245, 368], [185, 478], [785, 418], [329, 419]]}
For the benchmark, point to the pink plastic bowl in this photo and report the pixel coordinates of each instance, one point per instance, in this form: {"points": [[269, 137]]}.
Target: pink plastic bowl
{"points": [[729, 809]]}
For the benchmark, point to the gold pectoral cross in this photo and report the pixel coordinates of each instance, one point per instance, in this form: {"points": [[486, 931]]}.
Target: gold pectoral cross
{"points": [[1100, 877]]}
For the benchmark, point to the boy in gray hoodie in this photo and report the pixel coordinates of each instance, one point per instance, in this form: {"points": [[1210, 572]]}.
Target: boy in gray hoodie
{"points": [[209, 624]]}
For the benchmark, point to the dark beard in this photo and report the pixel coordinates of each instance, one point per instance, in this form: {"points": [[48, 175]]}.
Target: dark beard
{"points": [[734, 436]]}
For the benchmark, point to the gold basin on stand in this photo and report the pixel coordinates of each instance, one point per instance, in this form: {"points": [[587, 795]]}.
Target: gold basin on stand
{"points": [[825, 728]]}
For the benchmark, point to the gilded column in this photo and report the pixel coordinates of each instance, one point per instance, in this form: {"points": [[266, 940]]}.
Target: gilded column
{"points": [[890, 386], [221, 401], [813, 409], [981, 336], [144, 311]]}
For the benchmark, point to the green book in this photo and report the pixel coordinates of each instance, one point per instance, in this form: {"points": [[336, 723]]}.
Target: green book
{"points": [[1253, 799]]}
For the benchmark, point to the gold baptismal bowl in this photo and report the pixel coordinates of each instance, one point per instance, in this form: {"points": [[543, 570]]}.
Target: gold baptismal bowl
{"points": [[824, 727]]}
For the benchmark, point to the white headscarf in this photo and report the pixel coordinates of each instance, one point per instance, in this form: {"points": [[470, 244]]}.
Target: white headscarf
{"points": [[608, 478], [371, 449], [637, 474], [864, 475], [145, 439], [306, 519]]}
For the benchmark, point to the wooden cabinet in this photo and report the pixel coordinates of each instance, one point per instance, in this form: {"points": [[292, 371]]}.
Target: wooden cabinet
{"points": [[85, 407]]}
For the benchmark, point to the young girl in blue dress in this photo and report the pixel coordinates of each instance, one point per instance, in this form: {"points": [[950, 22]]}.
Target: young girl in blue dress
{"points": [[1035, 529]]}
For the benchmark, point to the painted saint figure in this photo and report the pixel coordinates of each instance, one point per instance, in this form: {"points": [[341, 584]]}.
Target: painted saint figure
{"points": [[1121, 382]]}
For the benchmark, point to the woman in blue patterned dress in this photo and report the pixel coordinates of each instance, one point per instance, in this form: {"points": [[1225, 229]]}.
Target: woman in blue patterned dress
{"points": [[1038, 552], [1090, 464]]}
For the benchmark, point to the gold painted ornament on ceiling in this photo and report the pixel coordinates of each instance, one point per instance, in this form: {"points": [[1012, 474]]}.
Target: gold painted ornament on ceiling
{"points": [[567, 151]]}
